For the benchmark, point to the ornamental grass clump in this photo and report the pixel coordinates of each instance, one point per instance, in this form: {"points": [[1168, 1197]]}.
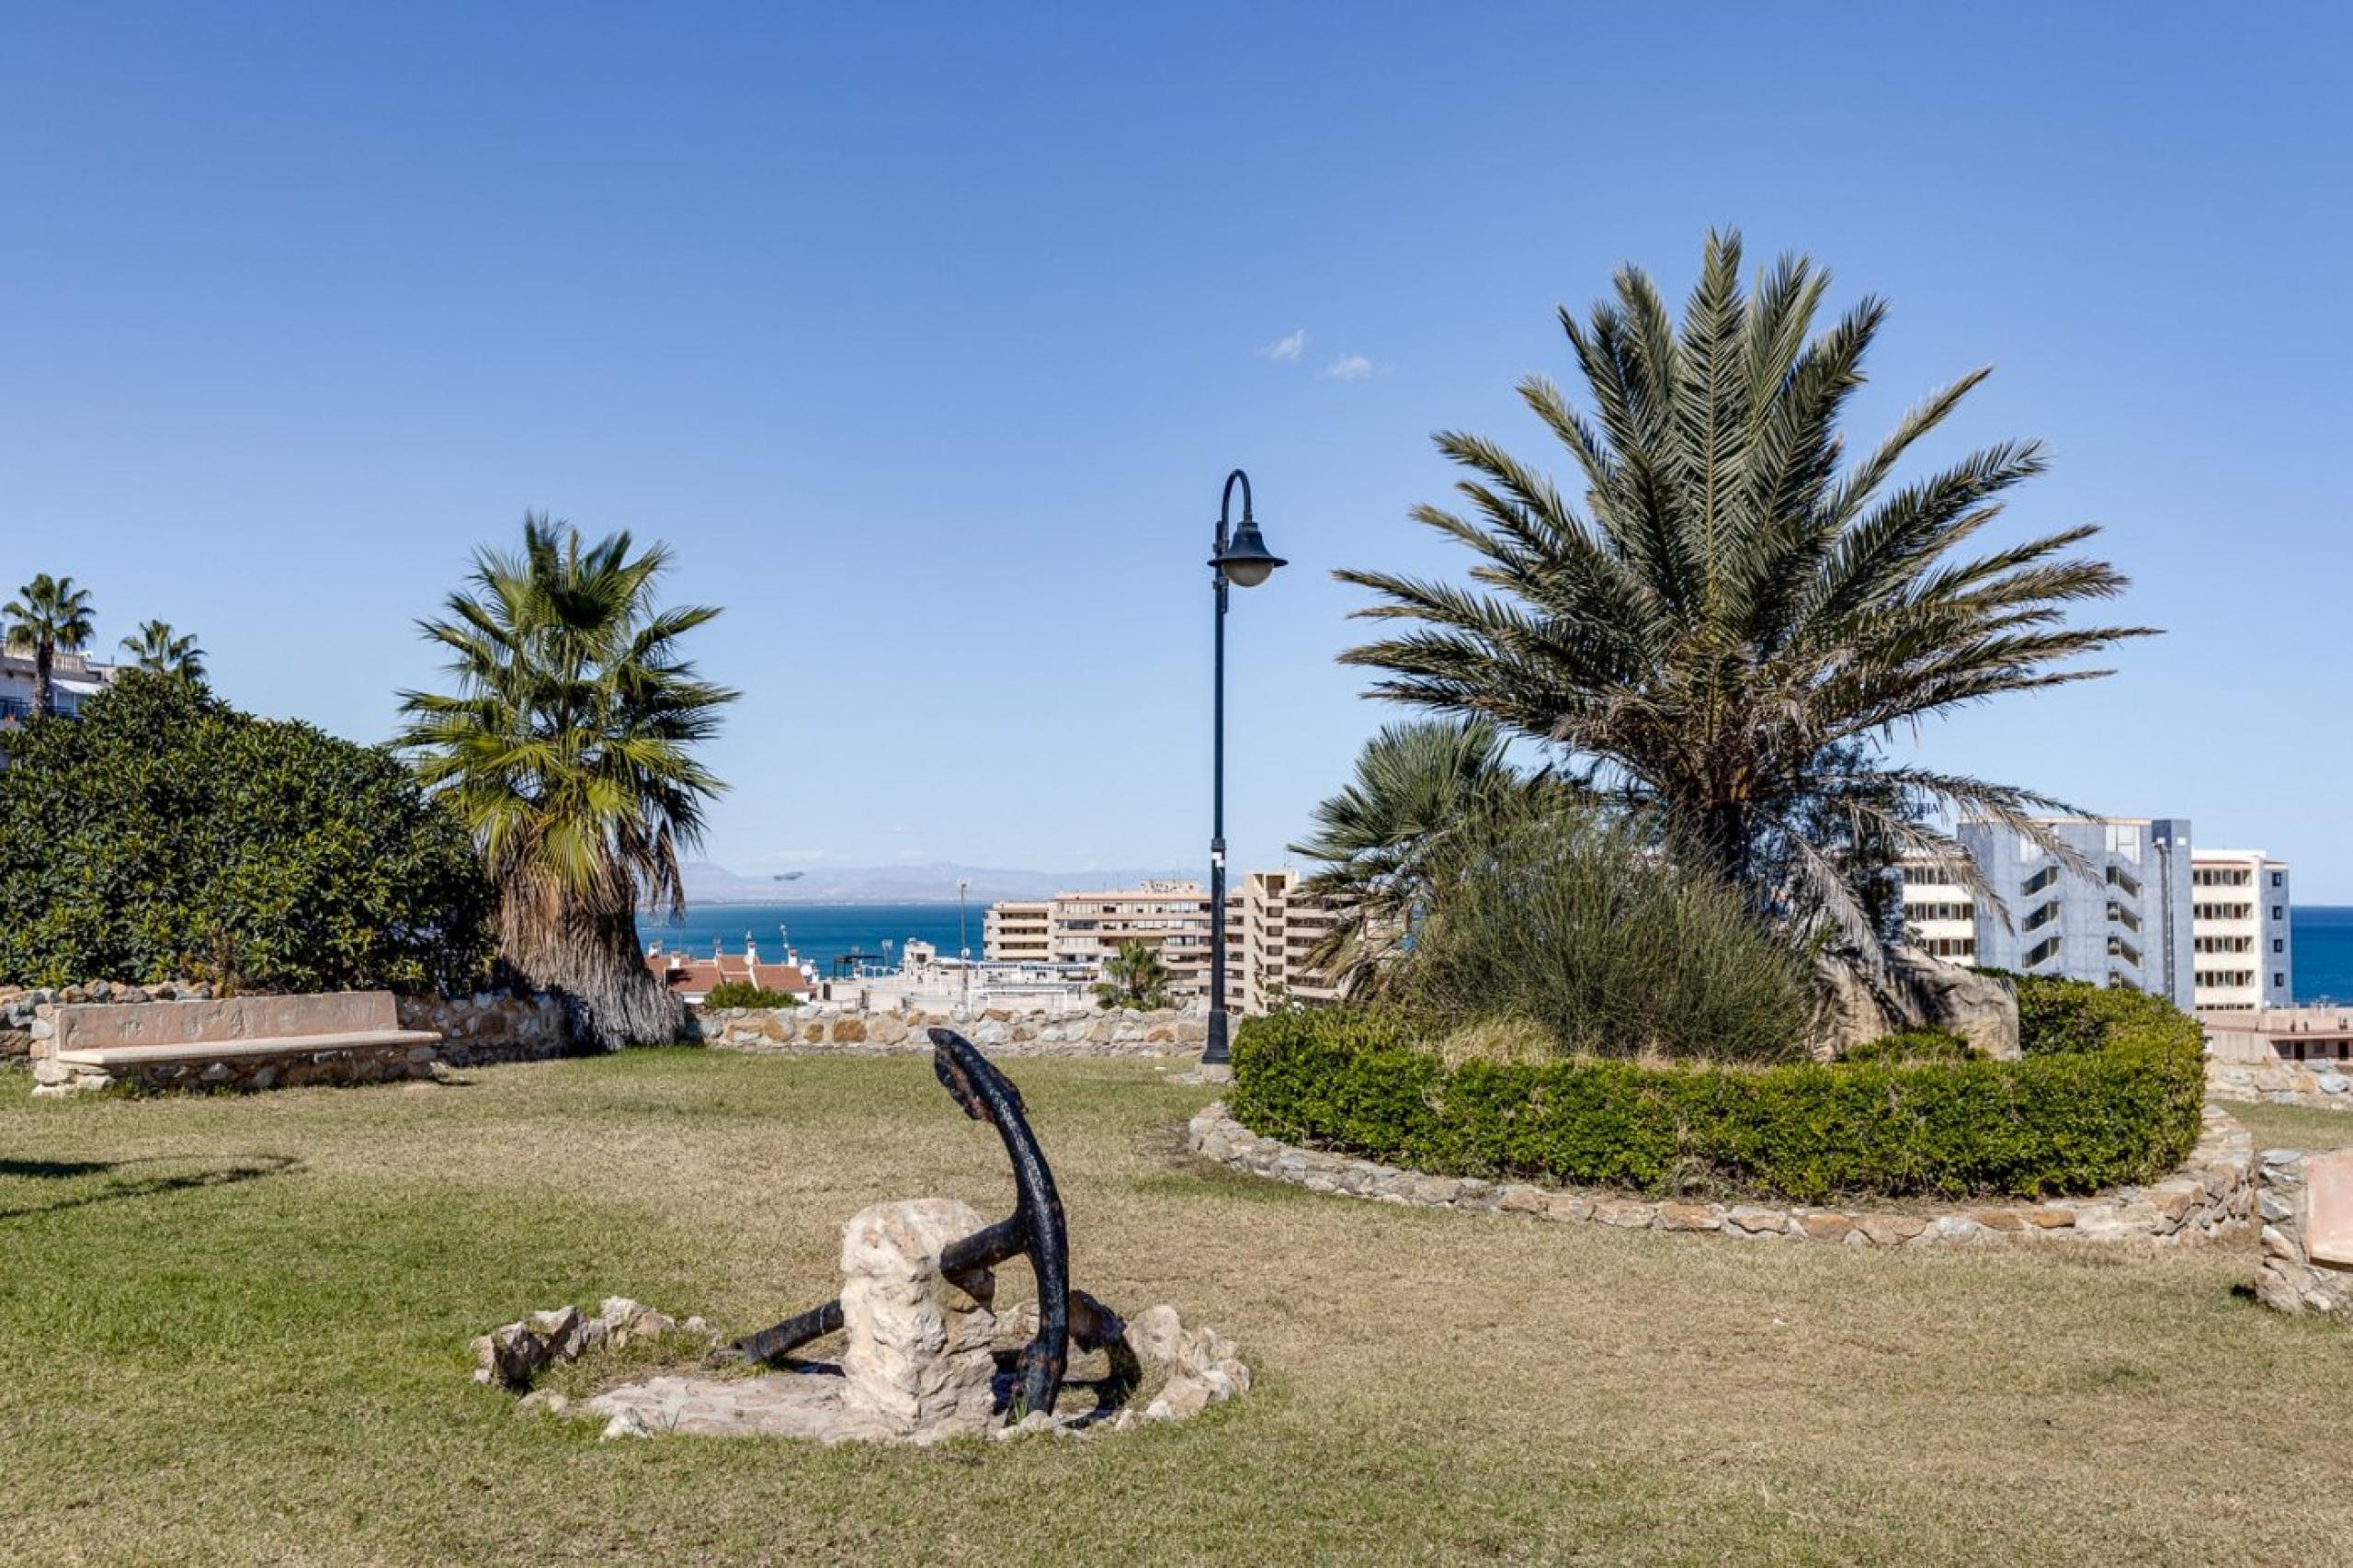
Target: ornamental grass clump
{"points": [[1578, 925]]}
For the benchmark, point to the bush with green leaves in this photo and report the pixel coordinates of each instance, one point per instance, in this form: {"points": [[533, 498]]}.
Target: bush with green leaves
{"points": [[2109, 1092], [163, 833], [743, 994]]}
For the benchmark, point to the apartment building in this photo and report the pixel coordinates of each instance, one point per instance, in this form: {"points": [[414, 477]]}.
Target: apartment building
{"points": [[1280, 928], [2239, 931], [2126, 921], [1018, 931], [1269, 932], [74, 678]]}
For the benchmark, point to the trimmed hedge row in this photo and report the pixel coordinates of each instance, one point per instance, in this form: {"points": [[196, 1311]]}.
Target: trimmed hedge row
{"points": [[2107, 1093]]}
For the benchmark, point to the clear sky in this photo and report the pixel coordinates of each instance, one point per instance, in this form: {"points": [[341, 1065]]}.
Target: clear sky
{"points": [[927, 335]]}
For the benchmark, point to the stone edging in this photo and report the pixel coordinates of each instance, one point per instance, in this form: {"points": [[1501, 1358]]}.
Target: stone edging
{"points": [[2210, 1196], [2316, 1085]]}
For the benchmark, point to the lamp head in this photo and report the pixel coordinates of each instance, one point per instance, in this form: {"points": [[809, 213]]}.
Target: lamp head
{"points": [[1246, 562]]}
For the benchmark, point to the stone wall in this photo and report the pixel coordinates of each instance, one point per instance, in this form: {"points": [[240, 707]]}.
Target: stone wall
{"points": [[2288, 1279], [820, 1029], [490, 1026], [477, 1030], [2318, 1085], [2210, 1196]]}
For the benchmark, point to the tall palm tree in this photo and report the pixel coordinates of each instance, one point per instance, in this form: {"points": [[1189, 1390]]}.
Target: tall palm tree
{"points": [[49, 617], [155, 648], [568, 748], [1736, 620], [1421, 788]]}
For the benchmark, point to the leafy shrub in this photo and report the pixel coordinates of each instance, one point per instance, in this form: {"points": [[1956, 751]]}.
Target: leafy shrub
{"points": [[164, 833], [1571, 923], [743, 994], [1915, 1045], [2107, 1093]]}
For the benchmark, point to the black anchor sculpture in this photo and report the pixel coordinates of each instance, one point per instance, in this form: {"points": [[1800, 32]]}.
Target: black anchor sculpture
{"points": [[1035, 1227]]}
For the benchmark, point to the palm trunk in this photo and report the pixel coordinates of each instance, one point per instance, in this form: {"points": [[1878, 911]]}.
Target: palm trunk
{"points": [[44, 677], [585, 950]]}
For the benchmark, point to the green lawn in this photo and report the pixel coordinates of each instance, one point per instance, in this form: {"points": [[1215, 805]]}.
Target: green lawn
{"points": [[2292, 1127], [236, 1329]]}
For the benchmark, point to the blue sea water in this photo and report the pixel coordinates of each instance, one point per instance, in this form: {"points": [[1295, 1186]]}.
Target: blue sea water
{"points": [[2322, 943], [821, 932]]}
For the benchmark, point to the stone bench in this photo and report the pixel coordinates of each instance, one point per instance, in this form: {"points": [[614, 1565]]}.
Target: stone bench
{"points": [[255, 1043]]}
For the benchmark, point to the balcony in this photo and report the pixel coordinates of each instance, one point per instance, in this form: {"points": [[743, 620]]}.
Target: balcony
{"points": [[2042, 952], [2040, 917], [2119, 878], [2120, 915], [2039, 881]]}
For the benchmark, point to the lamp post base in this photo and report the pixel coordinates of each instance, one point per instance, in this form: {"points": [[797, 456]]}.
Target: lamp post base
{"points": [[1217, 1053]]}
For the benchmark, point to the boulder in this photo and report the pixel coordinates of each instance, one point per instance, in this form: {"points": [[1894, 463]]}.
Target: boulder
{"points": [[1909, 990]]}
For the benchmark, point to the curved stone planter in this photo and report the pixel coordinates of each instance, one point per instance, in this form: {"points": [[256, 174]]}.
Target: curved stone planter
{"points": [[2213, 1195]]}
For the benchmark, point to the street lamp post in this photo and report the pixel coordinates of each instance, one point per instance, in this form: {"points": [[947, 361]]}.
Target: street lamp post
{"points": [[1242, 560], [964, 941]]}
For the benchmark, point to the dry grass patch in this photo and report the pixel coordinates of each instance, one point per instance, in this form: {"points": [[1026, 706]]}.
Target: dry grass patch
{"points": [[273, 1364]]}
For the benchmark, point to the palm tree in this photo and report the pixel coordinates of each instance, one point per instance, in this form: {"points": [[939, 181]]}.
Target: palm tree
{"points": [[49, 616], [155, 649], [1421, 789], [1133, 976], [1735, 620], [568, 749]]}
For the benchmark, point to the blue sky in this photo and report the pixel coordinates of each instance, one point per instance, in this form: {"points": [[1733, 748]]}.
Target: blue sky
{"points": [[927, 335]]}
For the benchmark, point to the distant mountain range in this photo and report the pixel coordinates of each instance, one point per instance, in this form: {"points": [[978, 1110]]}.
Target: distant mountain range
{"points": [[934, 882]]}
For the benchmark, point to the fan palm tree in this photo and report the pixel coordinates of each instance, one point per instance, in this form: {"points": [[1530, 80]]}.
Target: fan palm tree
{"points": [[1421, 789], [1736, 619], [49, 617], [158, 650], [568, 748], [1133, 976]]}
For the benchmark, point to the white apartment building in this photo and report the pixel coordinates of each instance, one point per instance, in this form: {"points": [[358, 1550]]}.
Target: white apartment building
{"points": [[2206, 928], [2123, 922], [76, 677], [1269, 932], [2239, 930]]}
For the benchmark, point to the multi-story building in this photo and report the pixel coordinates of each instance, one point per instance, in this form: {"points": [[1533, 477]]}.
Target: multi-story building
{"points": [[1018, 931], [2239, 929], [1268, 933], [2125, 921], [74, 678], [1280, 928]]}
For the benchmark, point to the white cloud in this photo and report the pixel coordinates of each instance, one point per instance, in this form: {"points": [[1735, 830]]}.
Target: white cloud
{"points": [[1348, 368], [1288, 347]]}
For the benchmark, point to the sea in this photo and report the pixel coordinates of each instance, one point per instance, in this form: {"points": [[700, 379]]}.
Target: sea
{"points": [[825, 932], [821, 933], [2321, 939]]}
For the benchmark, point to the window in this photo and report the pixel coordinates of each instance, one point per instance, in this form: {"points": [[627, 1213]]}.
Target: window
{"points": [[2278, 913], [2276, 880], [2279, 945], [2278, 980]]}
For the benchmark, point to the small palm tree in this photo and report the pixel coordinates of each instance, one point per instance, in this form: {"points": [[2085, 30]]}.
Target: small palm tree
{"points": [[1732, 621], [1134, 976], [49, 617], [568, 748], [158, 650], [1420, 788]]}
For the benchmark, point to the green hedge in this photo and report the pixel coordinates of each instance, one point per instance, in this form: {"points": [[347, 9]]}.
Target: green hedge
{"points": [[743, 994], [2108, 1091]]}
